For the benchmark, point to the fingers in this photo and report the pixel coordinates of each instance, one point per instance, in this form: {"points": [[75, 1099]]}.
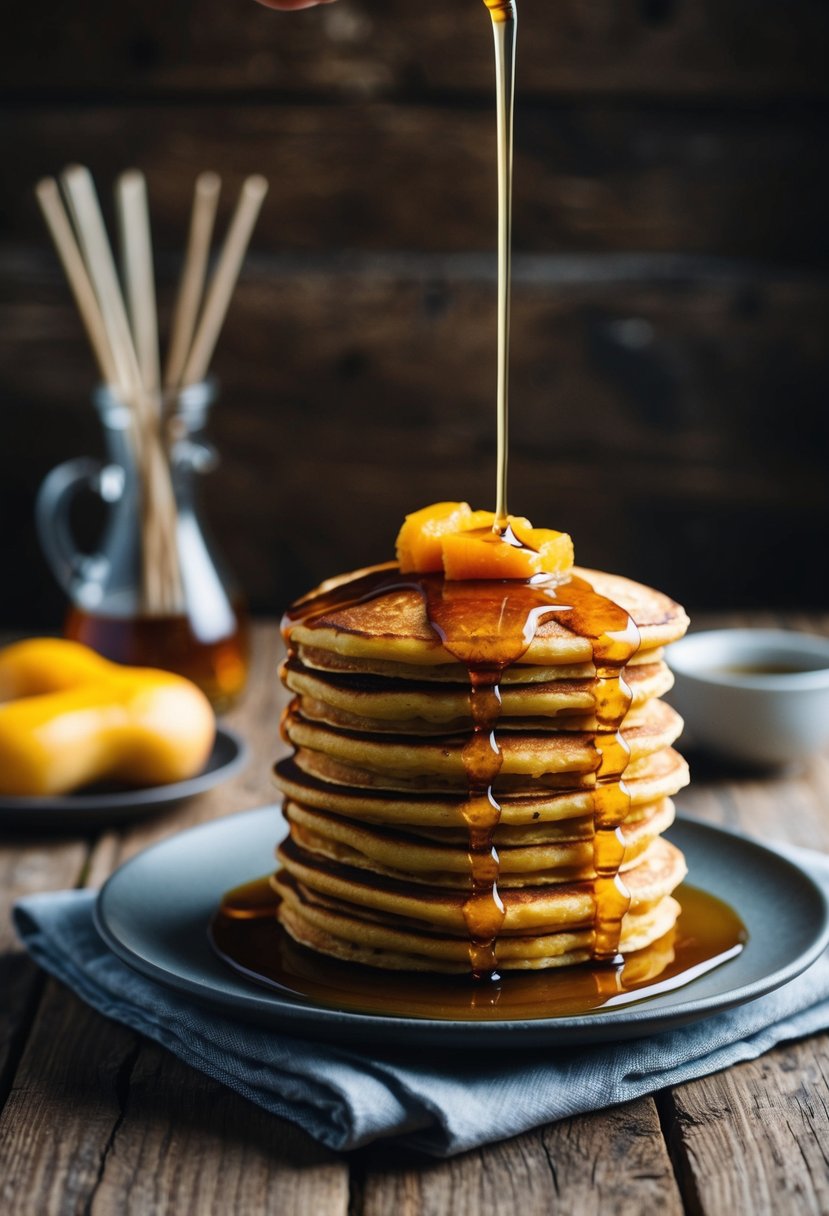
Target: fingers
{"points": [[289, 6]]}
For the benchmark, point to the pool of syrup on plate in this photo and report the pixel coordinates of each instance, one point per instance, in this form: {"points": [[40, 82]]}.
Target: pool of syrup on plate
{"points": [[246, 934]]}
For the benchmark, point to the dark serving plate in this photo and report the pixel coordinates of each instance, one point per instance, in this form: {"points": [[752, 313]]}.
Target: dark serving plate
{"points": [[155, 910], [98, 807]]}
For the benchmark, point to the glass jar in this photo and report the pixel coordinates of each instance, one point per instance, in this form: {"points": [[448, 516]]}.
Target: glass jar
{"points": [[199, 626]]}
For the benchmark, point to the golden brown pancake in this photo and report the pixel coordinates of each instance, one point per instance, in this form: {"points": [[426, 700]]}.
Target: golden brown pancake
{"points": [[525, 754], [394, 626], [328, 661], [354, 940], [317, 781], [445, 862], [528, 909], [374, 704], [372, 935]]}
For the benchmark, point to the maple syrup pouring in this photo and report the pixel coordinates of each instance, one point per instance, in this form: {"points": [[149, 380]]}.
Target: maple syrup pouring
{"points": [[504, 28]]}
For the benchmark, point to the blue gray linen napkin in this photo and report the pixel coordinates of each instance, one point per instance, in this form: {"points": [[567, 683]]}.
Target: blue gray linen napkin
{"points": [[439, 1102]]}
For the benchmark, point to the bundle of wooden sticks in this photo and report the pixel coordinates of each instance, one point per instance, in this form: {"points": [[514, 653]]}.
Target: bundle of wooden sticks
{"points": [[122, 327]]}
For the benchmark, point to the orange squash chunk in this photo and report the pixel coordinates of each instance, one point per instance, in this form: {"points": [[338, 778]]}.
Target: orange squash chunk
{"points": [[419, 540], [522, 552], [554, 548], [451, 537], [483, 554]]}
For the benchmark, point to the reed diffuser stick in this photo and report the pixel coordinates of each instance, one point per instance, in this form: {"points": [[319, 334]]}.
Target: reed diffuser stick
{"points": [[191, 285], [92, 235], [48, 197], [224, 278], [139, 279], [162, 591]]}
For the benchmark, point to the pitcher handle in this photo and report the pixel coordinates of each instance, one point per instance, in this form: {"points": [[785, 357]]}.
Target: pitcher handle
{"points": [[73, 569]]}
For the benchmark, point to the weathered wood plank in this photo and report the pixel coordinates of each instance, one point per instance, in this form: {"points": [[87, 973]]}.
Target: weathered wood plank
{"points": [[597, 176], [755, 1138], [65, 1105], [27, 865], [614, 1161], [760, 805], [101, 1122], [188, 1145], [357, 46], [646, 391]]}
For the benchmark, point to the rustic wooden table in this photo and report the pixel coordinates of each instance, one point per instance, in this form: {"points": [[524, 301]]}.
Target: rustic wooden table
{"points": [[95, 1119]]}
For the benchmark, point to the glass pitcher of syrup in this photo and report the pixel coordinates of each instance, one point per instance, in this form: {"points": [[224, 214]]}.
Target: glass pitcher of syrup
{"points": [[202, 631]]}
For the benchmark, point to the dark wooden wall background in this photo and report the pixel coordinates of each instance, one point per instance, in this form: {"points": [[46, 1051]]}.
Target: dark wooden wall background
{"points": [[670, 366]]}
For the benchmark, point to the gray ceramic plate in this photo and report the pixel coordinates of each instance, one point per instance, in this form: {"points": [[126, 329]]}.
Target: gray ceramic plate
{"points": [[154, 912], [99, 807]]}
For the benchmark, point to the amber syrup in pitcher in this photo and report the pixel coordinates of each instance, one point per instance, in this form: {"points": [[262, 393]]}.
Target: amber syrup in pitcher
{"points": [[218, 665]]}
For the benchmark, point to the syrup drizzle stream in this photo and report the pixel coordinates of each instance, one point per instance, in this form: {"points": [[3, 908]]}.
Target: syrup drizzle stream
{"points": [[482, 756], [488, 627], [504, 28]]}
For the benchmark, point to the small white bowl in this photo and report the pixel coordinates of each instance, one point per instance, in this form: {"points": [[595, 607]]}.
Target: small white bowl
{"points": [[760, 696]]}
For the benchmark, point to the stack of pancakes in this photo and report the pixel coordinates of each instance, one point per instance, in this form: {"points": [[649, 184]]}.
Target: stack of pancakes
{"points": [[376, 868]]}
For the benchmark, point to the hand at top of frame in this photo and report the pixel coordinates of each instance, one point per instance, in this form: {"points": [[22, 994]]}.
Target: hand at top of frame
{"points": [[290, 6]]}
